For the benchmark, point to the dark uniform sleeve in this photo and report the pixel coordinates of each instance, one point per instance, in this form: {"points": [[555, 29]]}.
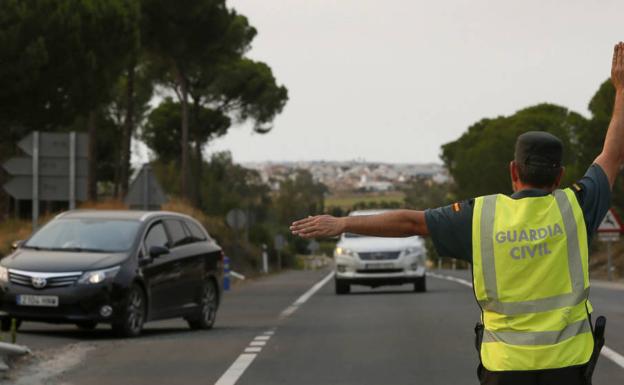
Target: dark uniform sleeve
{"points": [[594, 195], [450, 228]]}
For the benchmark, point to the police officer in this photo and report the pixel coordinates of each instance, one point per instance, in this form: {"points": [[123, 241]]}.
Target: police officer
{"points": [[529, 253]]}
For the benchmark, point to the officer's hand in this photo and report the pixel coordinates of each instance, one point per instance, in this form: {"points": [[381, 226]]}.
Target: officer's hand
{"points": [[318, 226], [617, 67]]}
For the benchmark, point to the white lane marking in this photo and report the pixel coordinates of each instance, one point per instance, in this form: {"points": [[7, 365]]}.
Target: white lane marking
{"points": [[288, 311], [305, 297], [451, 278], [606, 351], [614, 356], [237, 369]]}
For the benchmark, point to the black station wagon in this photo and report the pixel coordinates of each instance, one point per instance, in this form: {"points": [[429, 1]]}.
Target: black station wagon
{"points": [[118, 267]]}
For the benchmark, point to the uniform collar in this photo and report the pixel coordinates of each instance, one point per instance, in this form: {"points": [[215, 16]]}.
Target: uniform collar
{"points": [[529, 193]]}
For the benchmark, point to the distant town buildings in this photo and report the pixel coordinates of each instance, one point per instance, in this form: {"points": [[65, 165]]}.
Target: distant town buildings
{"points": [[352, 175]]}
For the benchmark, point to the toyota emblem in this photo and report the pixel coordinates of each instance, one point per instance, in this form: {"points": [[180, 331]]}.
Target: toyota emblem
{"points": [[38, 282]]}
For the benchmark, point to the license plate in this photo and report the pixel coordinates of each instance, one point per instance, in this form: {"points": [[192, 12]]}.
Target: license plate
{"points": [[38, 300], [374, 266]]}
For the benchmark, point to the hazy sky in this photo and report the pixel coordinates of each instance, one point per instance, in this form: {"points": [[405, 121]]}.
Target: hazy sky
{"points": [[392, 80]]}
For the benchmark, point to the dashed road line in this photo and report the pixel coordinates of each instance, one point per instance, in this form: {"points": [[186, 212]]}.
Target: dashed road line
{"points": [[606, 351], [236, 370], [451, 278], [614, 356]]}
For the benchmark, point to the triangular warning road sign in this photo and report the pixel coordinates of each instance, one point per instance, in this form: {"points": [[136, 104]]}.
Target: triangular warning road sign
{"points": [[611, 223]]}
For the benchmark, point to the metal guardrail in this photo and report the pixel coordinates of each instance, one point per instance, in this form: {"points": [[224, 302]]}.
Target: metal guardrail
{"points": [[7, 349]]}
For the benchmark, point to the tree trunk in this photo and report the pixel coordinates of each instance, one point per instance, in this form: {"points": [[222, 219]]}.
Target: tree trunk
{"points": [[198, 155], [92, 158], [126, 136], [184, 192]]}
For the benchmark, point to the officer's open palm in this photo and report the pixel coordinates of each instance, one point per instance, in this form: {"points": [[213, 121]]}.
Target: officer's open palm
{"points": [[317, 226]]}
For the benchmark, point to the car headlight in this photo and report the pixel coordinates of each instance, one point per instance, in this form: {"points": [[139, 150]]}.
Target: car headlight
{"points": [[341, 251], [97, 276], [4, 275]]}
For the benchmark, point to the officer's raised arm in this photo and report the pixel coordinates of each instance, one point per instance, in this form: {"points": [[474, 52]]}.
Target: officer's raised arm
{"points": [[611, 158], [397, 223]]}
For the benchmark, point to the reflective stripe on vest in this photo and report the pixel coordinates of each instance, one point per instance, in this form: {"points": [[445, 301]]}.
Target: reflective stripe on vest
{"points": [[542, 324], [537, 338]]}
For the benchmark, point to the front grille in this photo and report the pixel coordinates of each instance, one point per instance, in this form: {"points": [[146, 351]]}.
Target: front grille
{"points": [[52, 280], [380, 256], [377, 271]]}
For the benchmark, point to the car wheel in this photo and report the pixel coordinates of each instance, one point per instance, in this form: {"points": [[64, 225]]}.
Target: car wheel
{"points": [[342, 287], [208, 305], [6, 324], [420, 286], [86, 325], [130, 322]]}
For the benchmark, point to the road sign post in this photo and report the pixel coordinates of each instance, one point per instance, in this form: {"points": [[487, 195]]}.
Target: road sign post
{"points": [[72, 170], [265, 259], [35, 180], [237, 220], [313, 247], [279, 242], [609, 232]]}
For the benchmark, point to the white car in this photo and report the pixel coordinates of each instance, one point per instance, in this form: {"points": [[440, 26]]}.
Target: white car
{"points": [[374, 261]]}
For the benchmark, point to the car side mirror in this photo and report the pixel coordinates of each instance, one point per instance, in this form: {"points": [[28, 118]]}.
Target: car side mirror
{"points": [[16, 245], [157, 251]]}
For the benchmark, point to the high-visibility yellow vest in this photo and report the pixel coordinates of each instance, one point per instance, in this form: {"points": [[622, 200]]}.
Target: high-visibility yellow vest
{"points": [[530, 277]]}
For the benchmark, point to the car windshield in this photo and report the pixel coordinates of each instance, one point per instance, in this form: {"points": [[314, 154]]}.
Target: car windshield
{"points": [[95, 235]]}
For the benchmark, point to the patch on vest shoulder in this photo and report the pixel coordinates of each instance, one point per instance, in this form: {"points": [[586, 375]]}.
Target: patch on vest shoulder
{"points": [[456, 207]]}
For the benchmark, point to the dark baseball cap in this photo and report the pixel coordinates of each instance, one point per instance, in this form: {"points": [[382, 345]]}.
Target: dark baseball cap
{"points": [[538, 148]]}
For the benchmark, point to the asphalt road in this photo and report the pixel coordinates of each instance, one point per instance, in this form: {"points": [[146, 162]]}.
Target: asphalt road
{"points": [[382, 336]]}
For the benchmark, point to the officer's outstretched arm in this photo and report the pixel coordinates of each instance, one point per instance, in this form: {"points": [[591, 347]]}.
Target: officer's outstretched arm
{"points": [[611, 158], [397, 223]]}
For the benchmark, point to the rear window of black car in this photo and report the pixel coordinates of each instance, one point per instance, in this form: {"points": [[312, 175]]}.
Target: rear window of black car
{"points": [[196, 232], [177, 233]]}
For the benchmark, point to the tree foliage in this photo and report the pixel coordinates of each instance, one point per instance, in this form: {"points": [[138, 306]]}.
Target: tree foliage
{"points": [[479, 159], [299, 196], [163, 128]]}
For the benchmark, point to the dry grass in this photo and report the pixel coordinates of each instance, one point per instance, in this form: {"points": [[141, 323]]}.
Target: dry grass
{"points": [[109, 204], [598, 260], [346, 201], [11, 231], [244, 256]]}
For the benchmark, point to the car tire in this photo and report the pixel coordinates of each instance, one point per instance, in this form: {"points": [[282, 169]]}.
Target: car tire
{"points": [[342, 287], [5, 324], [130, 322], [86, 325], [420, 285], [207, 312]]}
